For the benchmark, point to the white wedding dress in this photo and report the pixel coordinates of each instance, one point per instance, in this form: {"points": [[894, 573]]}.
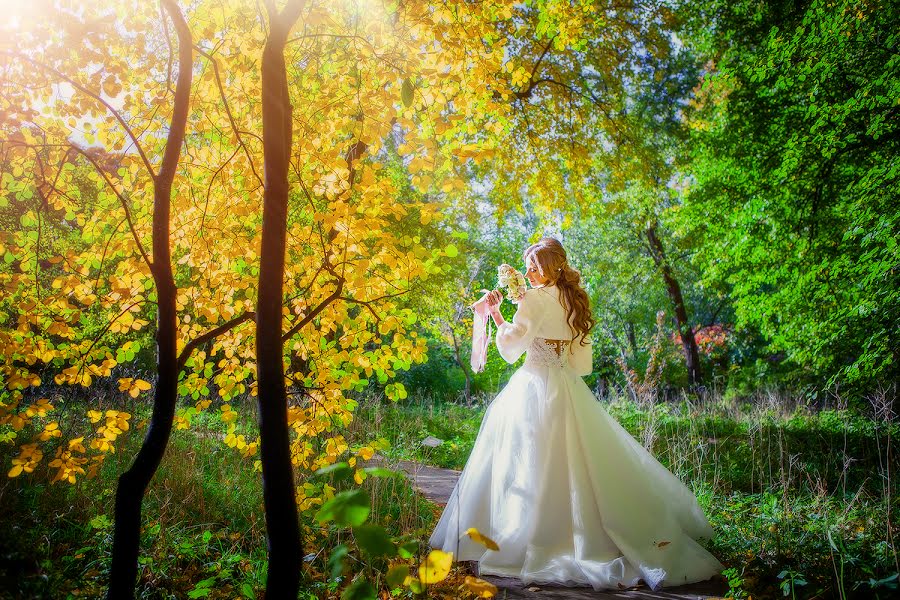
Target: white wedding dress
{"points": [[566, 493]]}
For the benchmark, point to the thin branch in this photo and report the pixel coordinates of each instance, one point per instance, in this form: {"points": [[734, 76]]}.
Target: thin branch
{"points": [[211, 334], [93, 95], [234, 127], [366, 303], [106, 328], [121, 198], [315, 312], [527, 91]]}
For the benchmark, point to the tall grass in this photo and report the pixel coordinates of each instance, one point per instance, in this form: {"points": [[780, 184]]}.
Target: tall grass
{"points": [[801, 498]]}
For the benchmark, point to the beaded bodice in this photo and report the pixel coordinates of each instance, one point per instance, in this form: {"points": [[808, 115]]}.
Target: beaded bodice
{"points": [[544, 351]]}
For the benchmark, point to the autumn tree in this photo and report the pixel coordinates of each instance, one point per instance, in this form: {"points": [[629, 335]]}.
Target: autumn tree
{"points": [[592, 89], [345, 264], [133, 483]]}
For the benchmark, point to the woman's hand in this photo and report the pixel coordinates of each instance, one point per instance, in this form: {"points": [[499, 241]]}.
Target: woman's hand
{"points": [[494, 299]]}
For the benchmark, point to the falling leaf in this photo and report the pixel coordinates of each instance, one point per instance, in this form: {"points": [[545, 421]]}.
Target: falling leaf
{"points": [[482, 539]]}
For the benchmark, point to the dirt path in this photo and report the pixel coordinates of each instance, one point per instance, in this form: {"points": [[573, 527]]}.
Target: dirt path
{"points": [[437, 485]]}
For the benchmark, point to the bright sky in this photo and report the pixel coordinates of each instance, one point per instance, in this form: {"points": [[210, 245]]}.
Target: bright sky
{"points": [[13, 12]]}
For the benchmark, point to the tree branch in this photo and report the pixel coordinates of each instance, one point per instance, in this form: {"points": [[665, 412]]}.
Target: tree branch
{"points": [[211, 334], [234, 128], [315, 312], [109, 183], [93, 95]]}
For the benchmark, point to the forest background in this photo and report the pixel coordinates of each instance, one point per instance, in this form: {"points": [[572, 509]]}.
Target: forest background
{"points": [[723, 174]]}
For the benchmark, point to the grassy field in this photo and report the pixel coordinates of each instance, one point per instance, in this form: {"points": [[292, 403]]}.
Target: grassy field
{"points": [[803, 502]]}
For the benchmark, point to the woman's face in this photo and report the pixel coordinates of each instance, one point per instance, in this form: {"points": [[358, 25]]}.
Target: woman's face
{"points": [[534, 276]]}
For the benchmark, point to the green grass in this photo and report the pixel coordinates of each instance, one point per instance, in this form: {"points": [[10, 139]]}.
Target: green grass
{"points": [[406, 424], [203, 531], [802, 502]]}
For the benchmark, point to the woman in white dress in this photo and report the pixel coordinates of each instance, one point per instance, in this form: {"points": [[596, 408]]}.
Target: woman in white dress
{"points": [[566, 493]]}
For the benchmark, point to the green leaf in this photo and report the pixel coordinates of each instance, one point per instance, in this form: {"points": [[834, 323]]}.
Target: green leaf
{"points": [[382, 472], [374, 540], [335, 562], [416, 586], [347, 508], [340, 470], [360, 589], [451, 250], [247, 591], [100, 522], [202, 589], [396, 575], [406, 93], [408, 549]]}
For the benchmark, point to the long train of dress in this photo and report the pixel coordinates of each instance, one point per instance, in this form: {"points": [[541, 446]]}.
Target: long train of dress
{"points": [[569, 496]]}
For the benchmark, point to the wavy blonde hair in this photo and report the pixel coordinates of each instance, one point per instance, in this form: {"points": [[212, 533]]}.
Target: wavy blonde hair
{"points": [[550, 258]]}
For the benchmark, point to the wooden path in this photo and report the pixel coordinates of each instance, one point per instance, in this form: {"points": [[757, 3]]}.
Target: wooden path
{"points": [[437, 485]]}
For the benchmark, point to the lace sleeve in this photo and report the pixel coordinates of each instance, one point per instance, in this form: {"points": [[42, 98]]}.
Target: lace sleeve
{"points": [[514, 338], [581, 357]]}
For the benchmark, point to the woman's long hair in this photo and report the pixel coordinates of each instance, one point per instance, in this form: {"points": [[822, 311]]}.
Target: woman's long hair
{"points": [[550, 259]]}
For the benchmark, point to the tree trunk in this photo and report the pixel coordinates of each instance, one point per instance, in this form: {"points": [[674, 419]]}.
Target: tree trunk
{"points": [[632, 338], [457, 355], [279, 498], [133, 483], [688, 341]]}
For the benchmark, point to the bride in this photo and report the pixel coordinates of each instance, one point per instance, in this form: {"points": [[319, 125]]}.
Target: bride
{"points": [[566, 493]]}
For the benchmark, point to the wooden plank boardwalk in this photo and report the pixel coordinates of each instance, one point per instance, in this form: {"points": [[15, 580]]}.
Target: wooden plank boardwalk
{"points": [[437, 484]]}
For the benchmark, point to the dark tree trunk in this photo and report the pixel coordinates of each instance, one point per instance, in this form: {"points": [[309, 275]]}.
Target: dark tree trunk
{"points": [[688, 341], [632, 338], [277, 471], [133, 483], [457, 355]]}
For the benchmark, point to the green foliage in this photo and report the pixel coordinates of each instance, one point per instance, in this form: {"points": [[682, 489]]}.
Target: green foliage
{"points": [[374, 540], [347, 508], [408, 423], [735, 584], [796, 179]]}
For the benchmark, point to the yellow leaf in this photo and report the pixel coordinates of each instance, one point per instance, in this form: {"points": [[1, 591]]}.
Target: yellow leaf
{"points": [[359, 476], [139, 386], [436, 566], [480, 587], [482, 539]]}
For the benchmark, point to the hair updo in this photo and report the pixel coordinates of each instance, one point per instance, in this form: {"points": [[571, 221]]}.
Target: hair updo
{"points": [[550, 258]]}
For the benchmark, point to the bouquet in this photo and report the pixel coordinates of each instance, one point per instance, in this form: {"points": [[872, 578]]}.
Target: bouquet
{"points": [[514, 282]]}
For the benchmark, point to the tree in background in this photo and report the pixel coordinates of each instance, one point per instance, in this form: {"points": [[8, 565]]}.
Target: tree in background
{"points": [[795, 179]]}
